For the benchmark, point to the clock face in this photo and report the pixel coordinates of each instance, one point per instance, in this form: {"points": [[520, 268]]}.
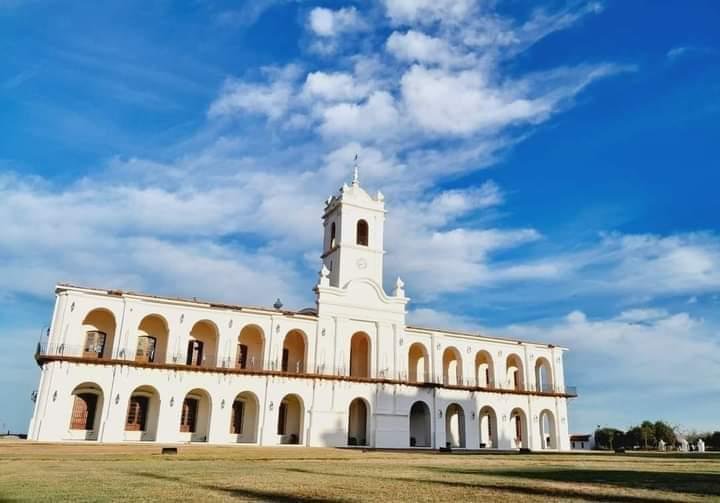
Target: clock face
{"points": [[361, 263]]}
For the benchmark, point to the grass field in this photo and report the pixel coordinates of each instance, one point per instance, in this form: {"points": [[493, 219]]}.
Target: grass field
{"points": [[50, 472]]}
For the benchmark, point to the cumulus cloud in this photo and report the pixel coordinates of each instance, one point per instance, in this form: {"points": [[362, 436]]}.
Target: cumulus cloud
{"points": [[271, 98], [415, 46], [378, 115], [331, 23], [648, 359], [428, 11], [335, 86], [392, 104]]}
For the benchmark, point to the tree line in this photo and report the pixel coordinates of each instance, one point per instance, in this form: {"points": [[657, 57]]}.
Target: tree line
{"points": [[648, 434]]}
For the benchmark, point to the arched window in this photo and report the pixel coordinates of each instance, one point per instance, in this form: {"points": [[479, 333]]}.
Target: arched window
{"points": [[99, 328], [452, 367], [189, 415], [361, 234], [293, 353], [360, 355], [137, 413], [83, 412], [543, 376], [146, 349], [152, 339], [94, 344], [332, 235], [418, 363]]}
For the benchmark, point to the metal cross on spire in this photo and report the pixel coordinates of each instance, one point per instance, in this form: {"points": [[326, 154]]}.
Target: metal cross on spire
{"points": [[356, 172]]}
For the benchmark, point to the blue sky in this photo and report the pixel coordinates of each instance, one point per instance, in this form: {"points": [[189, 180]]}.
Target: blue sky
{"points": [[551, 171]]}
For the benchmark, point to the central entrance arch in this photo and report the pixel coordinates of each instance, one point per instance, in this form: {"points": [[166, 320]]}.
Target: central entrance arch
{"points": [[290, 420], [487, 422], [244, 418], [358, 422], [455, 426], [420, 434]]}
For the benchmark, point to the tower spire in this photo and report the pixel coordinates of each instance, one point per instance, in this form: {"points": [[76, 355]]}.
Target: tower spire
{"points": [[356, 172]]}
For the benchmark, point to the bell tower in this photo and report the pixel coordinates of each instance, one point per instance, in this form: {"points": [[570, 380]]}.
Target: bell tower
{"points": [[353, 223]]}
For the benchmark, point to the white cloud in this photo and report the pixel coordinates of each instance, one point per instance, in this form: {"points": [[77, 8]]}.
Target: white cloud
{"points": [[642, 354], [661, 265], [428, 11], [415, 46], [468, 102], [632, 370], [336, 86], [677, 52], [462, 103], [375, 118], [331, 23], [271, 98]]}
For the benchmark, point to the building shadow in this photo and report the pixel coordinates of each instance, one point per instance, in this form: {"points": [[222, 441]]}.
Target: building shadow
{"points": [[552, 493], [705, 484], [240, 492]]}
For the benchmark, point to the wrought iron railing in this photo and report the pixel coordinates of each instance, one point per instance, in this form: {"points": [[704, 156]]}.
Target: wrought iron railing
{"points": [[211, 361]]}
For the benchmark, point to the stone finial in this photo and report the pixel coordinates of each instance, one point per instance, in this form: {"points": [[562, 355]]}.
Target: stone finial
{"points": [[399, 288], [324, 276]]}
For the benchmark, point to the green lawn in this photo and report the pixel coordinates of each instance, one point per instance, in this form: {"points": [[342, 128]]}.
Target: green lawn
{"points": [[51, 472]]}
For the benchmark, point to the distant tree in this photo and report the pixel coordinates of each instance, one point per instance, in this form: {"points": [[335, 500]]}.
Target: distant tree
{"points": [[713, 441], [633, 437], [647, 433], [664, 432], [607, 438]]}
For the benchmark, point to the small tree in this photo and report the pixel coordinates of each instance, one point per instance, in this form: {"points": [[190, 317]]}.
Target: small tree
{"points": [[607, 438], [664, 432], [713, 441]]}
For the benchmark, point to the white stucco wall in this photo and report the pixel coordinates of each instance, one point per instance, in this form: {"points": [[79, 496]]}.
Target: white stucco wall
{"points": [[350, 299]]}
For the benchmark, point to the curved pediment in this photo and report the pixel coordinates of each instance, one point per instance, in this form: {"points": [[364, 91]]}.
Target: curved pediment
{"points": [[361, 294]]}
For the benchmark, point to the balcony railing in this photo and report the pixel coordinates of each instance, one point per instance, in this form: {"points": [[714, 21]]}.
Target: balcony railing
{"points": [[211, 361], [571, 391]]}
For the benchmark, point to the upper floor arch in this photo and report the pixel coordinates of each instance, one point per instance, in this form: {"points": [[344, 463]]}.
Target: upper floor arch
{"points": [[360, 355], [99, 333], [543, 375], [153, 338], [515, 376], [250, 348], [294, 352], [202, 348], [452, 366]]}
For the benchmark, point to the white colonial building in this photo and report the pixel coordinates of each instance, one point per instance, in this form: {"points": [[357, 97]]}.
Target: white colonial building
{"points": [[127, 367]]}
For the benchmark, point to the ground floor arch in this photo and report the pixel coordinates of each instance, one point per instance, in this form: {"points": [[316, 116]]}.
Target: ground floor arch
{"points": [[87, 404], [143, 411], [487, 423], [519, 429], [455, 426], [195, 415], [244, 418], [420, 425], [358, 419], [290, 420], [548, 430]]}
